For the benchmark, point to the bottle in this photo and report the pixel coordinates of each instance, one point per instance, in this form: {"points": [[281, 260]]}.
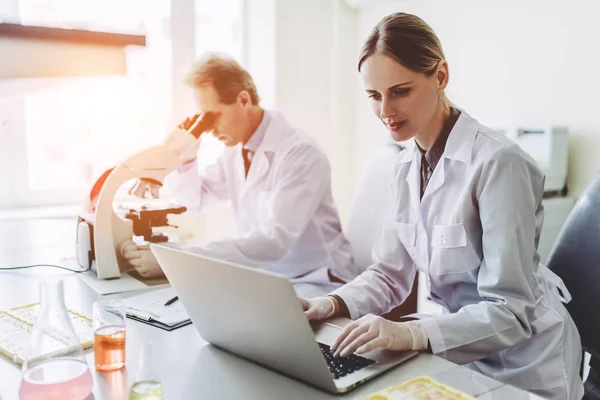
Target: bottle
{"points": [[146, 385], [54, 367]]}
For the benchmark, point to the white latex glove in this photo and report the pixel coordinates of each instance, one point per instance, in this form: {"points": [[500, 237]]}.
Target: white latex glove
{"points": [[142, 260], [374, 332], [318, 308]]}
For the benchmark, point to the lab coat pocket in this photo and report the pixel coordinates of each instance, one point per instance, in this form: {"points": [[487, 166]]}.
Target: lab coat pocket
{"points": [[406, 233], [448, 236], [451, 253]]}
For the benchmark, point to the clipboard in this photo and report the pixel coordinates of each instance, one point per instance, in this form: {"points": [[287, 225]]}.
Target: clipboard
{"points": [[159, 324], [149, 308]]}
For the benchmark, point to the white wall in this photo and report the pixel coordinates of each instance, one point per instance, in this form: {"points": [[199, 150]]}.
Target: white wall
{"points": [[315, 80], [512, 63], [259, 47], [308, 73]]}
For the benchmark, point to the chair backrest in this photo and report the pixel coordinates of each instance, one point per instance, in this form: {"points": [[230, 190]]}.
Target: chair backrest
{"points": [[367, 215], [576, 259]]}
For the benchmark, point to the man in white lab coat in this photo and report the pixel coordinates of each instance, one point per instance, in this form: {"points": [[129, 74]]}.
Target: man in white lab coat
{"points": [[275, 176]]}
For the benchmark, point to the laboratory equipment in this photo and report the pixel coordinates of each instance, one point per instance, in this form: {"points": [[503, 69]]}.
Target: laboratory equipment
{"points": [[101, 231], [16, 325], [549, 147], [146, 386], [109, 334], [54, 367]]}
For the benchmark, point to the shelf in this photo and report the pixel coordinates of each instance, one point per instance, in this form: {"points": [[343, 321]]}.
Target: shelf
{"points": [[43, 52], [79, 36]]}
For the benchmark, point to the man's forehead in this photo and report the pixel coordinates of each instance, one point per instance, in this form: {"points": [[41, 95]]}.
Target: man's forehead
{"points": [[206, 97]]}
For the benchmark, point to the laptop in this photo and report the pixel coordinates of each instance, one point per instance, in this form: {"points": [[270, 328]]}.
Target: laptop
{"points": [[256, 315]]}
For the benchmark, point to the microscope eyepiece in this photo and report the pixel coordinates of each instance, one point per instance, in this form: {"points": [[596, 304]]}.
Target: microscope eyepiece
{"points": [[202, 124]]}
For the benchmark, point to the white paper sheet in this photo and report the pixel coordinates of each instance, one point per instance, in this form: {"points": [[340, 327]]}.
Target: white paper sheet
{"points": [[151, 305]]}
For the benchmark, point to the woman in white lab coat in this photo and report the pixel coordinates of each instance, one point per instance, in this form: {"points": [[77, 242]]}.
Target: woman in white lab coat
{"points": [[467, 212]]}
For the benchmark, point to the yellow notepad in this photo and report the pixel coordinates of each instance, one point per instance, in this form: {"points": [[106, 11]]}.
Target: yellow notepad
{"points": [[16, 331], [420, 388]]}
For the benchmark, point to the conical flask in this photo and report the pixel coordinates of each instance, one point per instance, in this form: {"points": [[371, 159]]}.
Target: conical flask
{"points": [[54, 367], [146, 386]]}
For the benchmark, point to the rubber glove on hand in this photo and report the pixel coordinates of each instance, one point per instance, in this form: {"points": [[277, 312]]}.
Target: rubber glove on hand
{"points": [[318, 308], [374, 332], [142, 260]]}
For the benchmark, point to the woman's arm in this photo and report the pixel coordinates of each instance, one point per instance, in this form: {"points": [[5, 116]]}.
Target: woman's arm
{"points": [[388, 282]]}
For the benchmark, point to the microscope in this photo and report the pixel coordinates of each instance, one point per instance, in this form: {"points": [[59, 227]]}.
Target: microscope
{"points": [[101, 231]]}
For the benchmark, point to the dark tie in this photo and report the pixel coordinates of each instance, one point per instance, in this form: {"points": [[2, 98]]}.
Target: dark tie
{"points": [[426, 172], [247, 155]]}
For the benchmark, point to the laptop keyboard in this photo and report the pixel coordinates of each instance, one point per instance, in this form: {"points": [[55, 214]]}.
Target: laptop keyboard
{"points": [[343, 366]]}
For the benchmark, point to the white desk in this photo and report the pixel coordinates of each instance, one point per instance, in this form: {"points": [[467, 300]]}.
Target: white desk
{"points": [[188, 367]]}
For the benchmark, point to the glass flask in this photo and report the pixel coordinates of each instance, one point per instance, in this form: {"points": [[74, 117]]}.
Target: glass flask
{"points": [[146, 385], [109, 334], [54, 367]]}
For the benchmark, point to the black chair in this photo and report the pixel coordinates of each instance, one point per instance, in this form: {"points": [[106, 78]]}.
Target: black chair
{"points": [[576, 259]]}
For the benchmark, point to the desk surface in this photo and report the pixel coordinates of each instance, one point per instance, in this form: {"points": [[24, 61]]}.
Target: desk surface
{"points": [[188, 367]]}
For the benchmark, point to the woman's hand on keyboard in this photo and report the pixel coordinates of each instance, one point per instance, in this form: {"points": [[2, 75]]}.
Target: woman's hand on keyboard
{"points": [[373, 332]]}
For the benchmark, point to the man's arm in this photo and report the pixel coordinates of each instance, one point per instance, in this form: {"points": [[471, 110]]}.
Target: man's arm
{"points": [[196, 190], [291, 205]]}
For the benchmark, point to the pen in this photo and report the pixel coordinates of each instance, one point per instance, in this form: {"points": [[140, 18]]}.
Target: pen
{"points": [[173, 300]]}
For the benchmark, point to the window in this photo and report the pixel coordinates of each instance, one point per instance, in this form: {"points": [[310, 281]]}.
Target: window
{"points": [[58, 135]]}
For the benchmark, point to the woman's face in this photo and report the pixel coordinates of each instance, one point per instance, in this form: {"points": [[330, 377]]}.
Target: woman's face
{"points": [[404, 100]]}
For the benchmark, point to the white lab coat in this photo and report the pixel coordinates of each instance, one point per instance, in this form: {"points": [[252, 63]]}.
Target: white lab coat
{"points": [[474, 234], [284, 210]]}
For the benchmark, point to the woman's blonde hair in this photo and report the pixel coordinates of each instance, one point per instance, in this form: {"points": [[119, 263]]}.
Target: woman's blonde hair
{"points": [[407, 39]]}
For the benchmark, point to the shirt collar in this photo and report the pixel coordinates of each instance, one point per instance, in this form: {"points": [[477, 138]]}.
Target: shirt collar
{"points": [[435, 152], [259, 134], [462, 138]]}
